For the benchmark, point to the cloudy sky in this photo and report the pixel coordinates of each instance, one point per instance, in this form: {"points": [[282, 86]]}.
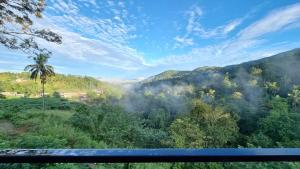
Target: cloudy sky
{"points": [[136, 39]]}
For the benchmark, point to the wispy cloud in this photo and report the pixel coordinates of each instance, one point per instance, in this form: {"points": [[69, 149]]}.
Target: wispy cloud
{"points": [[244, 46], [274, 21], [193, 14], [100, 41], [220, 31], [195, 28], [183, 41]]}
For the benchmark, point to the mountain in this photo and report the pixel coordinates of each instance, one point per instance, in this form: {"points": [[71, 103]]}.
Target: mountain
{"points": [[244, 89], [282, 68]]}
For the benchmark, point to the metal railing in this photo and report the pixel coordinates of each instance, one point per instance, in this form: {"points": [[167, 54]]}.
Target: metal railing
{"points": [[148, 155]]}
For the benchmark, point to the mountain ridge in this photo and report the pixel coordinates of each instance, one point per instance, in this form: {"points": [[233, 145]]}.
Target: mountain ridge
{"points": [[174, 74]]}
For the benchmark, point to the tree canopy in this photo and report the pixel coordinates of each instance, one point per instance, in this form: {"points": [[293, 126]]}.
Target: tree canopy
{"points": [[17, 29]]}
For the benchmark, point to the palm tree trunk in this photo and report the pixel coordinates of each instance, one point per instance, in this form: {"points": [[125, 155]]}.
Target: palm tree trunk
{"points": [[43, 94]]}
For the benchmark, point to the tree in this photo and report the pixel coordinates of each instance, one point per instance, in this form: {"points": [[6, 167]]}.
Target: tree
{"points": [[227, 83], [281, 125], [204, 126], [16, 26], [158, 118], [256, 71], [294, 96], [42, 70], [186, 134], [272, 87], [220, 127]]}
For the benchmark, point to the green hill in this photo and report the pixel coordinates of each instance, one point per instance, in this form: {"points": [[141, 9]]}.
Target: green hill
{"points": [[20, 84], [282, 68], [245, 89]]}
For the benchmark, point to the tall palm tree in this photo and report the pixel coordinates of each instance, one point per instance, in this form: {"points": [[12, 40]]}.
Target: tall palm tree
{"points": [[42, 70]]}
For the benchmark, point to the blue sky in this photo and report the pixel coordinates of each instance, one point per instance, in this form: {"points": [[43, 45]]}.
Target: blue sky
{"points": [[137, 38]]}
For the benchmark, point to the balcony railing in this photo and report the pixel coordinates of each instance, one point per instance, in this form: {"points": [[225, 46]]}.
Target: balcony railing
{"points": [[148, 155]]}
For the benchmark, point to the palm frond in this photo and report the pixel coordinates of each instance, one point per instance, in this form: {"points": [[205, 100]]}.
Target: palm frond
{"points": [[40, 68], [29, 67], [34, 74]]}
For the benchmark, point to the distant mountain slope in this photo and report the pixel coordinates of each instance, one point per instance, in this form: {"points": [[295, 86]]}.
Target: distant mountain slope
{"points": [[169, 74], [245, 89], [283, 68]]}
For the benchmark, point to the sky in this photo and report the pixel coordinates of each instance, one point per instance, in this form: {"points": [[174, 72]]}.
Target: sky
{"points": [[135, 39]]}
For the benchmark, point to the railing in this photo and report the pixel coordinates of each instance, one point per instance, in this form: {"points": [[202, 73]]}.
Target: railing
{"points": [[148, 155]]}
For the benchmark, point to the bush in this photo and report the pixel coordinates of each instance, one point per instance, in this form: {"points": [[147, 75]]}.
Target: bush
{"points": [[35, 141]]}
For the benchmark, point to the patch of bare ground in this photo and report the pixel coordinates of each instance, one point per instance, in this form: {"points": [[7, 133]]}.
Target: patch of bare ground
{"points": [[9, 128]]}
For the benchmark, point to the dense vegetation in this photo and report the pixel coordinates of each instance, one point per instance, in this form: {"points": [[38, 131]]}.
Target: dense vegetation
{"points": [[21, 83], [254, 104]]}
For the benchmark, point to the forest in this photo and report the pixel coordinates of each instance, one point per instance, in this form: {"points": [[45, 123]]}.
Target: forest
{"points": [[253, 104]]}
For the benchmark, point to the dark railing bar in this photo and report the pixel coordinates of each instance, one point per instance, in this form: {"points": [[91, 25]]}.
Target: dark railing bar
{"points": [[148, 155]]}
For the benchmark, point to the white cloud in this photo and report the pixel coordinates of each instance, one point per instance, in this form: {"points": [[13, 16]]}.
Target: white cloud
{"points": [[231, 26], [219, 31], [99, 41], [274, 21], [96, 51], [222, 54], [194, 27], [65, 7], [92, 2], [182, 41], [247, 45], [193, 16]]}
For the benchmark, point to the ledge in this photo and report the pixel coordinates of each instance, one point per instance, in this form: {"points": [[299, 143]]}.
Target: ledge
{"points": [[148, 155]]}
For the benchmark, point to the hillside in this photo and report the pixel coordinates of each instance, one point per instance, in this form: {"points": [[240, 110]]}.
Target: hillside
{"points": [[282, 68], [281, 60], [245, 89], [19, 84]]}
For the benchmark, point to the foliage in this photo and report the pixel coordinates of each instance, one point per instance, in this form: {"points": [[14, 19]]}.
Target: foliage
{"points": [[21, 83], [294, 96], [42, 70], [281, 124], [17, 28], [272, 87], [254, 104], [255, 71], [186, 134], [204, 127]]}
